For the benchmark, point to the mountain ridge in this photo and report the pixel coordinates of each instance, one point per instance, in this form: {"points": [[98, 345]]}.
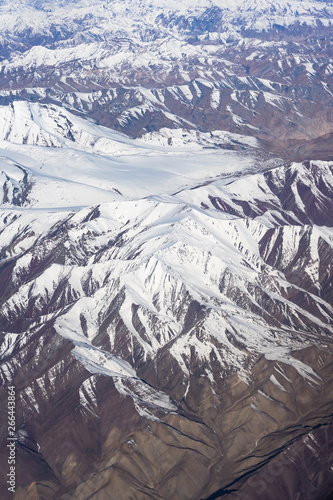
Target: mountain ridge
{"points": [[70, 286]]}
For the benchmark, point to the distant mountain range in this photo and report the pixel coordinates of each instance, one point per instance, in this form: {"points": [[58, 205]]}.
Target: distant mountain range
{"points": [[258, 68]]}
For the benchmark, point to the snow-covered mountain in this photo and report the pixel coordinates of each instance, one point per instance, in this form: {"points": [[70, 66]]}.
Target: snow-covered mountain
{"points": [[257, 68], [166, 249], [208, 314]]}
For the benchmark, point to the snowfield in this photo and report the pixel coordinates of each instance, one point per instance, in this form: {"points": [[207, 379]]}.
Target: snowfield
{"points": [[71, 162]]}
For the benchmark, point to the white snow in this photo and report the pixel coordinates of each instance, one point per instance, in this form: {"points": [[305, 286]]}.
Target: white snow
{"points": [[277, 383], [101, 163]]}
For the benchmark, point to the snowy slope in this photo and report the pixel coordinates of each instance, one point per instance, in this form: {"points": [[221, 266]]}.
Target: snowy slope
{"points": [[155, 258], [82, 163]]}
